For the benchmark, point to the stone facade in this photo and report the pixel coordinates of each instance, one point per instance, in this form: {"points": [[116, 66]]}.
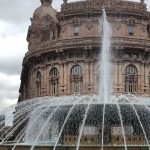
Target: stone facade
{"points": [[64, 49]]}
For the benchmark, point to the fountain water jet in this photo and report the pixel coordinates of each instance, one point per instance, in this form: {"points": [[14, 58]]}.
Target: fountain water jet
{"points": [[76, 102], [83, 123], [43, 127], [123, 131], [105, 77]]}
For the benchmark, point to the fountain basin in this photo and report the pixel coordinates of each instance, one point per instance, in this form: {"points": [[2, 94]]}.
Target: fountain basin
{"points": [[78, 120], [27, 147]]}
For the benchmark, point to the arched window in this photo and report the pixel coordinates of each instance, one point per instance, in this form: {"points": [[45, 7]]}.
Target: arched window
{"points": [[76, 80], [76, 70], [38, 83], [54, 72], [131, 79], [54, 80]]}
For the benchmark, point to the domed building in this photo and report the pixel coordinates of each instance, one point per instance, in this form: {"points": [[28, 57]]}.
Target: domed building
{"points": [[64, 49], [63, 58]]}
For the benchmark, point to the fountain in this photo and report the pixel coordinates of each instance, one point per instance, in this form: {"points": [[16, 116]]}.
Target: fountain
{"points": [[105, 80], [99, 121]]}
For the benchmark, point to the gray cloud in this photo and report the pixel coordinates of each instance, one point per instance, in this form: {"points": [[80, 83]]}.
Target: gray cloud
{"points": [[13, 47], [12, 94], [9, 85], [15, 16], [11, 28], [6, 103], [19, 11], [11, 66]]}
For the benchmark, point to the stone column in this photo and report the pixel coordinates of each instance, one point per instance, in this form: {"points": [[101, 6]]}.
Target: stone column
{"points": [[141, 80], [115, 77], [66, 82], [34, 83], [45, 75], [92, 77], [86, 77], [146, 79], [47, 80], [61, 79], [120, 77], [43, 83]]}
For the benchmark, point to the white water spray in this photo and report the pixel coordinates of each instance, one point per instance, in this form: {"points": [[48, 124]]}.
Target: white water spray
{"points": [[105, 77]]}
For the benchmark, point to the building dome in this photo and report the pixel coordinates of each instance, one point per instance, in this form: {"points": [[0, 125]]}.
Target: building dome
{"points": [[44, 10]]}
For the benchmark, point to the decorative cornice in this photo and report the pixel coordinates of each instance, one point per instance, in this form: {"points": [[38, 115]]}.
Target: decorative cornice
{"points": [[97, 5], [90, 42]]}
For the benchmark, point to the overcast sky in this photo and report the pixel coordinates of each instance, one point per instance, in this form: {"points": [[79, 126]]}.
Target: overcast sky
{"points": [[14, 21]]}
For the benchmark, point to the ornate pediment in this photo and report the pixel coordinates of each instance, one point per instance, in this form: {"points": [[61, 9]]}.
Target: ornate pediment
{"points": [[48, 21], [76, 22], [132, 21]]}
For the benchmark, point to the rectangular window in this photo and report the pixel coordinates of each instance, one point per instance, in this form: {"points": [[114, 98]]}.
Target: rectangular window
{"points": [[53, 88], [79, 55], [130, 30], [76, 87], [148, 30], [71, 55], [131, 85], [38, 90], [76, 30], [53, 35]]}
